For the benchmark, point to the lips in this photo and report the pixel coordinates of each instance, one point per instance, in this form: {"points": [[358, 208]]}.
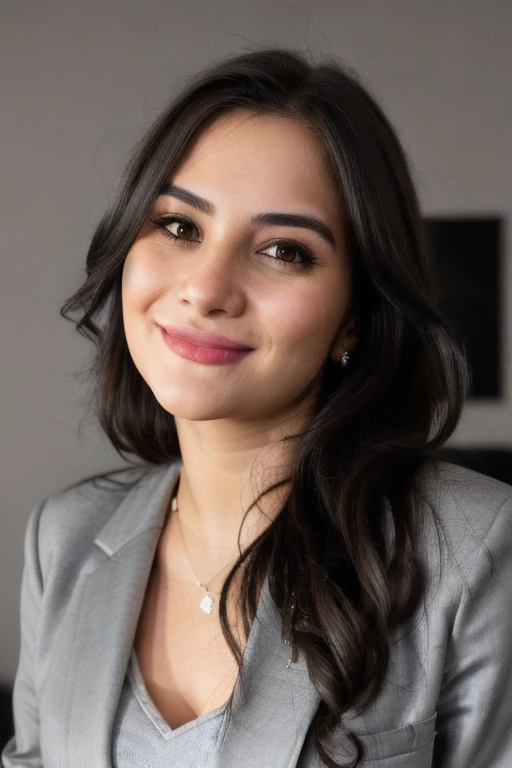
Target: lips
{"points": [[202, 338]]}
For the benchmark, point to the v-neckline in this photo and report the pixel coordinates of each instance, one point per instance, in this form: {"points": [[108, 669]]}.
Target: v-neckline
{"points": [[141, 693], [150, 709]]}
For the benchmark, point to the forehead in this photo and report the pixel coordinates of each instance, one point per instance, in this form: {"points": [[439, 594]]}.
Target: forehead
{"points": [[250, 156]]}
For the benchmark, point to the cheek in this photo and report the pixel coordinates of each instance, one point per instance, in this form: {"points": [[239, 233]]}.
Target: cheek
{"points": [[307, 321], [140, 281], [138, 292], [130, 275]]}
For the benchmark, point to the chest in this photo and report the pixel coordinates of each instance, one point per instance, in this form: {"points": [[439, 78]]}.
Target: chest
{"points": [[184, 660]]}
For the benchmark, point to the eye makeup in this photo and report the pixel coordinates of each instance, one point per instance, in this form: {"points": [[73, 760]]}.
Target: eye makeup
{"points": [[307, 259]]}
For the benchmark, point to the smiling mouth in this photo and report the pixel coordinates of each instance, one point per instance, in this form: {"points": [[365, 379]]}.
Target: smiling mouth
{"points": [[207, 355], [203, 338]]}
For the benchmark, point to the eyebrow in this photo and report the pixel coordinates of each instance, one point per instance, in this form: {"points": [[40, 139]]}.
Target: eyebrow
{"points": [[265, 219]]}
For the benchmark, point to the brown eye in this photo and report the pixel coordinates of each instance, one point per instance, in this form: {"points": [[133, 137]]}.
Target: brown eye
{"points": [[289, 252], [181, 229], [286, 252]]}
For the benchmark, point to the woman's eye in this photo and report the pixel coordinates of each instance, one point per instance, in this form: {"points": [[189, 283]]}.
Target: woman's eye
{"points": [[182, 230], [177, 228], [288, 251]]}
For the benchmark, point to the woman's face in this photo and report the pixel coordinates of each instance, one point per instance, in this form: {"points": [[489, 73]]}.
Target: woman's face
{"points": [[214, 256]]}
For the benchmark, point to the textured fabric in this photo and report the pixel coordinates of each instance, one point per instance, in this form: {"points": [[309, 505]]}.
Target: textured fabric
{"points": [[447, 698], [141, 738]]}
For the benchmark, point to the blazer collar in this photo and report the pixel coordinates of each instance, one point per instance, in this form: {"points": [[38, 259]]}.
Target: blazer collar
{"points": [[144, 507], [270, 717]]}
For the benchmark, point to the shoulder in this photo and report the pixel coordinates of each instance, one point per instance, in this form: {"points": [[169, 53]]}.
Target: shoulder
{"points": [[64, 525], [445, 484], [464, 499], [467, 516]]}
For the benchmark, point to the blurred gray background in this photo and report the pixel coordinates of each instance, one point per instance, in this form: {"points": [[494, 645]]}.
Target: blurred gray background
{"points": [[79, 84]]}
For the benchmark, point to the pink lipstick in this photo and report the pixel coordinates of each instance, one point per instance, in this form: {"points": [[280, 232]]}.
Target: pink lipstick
{"points": [[202, 347]]}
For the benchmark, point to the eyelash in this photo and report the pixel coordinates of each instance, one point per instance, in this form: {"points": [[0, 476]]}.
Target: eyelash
{"points": [[308, 259]]}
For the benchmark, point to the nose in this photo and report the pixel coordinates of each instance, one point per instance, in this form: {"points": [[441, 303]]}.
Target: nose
{"points": [[212, 283]]}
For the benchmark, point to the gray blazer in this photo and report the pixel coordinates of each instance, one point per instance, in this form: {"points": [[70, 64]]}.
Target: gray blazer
{"points": [[447, 699]]}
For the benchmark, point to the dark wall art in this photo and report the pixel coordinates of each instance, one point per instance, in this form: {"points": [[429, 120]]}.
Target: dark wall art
{"points": [[469, 261]]}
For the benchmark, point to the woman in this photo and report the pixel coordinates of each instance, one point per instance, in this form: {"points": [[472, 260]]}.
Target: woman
{"points": [[288, 578]]}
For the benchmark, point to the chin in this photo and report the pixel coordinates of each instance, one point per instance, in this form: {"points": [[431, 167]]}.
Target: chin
{"points": [[185, 405]]}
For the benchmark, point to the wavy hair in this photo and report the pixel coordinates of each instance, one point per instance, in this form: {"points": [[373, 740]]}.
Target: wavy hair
{"points": [[340, 586]]}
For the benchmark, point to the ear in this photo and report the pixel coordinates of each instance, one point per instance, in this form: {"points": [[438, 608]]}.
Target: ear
{"points": [[347, 337]]}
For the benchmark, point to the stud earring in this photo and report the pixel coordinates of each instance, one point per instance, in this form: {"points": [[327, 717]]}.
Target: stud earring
{"points": [[345, 359]]}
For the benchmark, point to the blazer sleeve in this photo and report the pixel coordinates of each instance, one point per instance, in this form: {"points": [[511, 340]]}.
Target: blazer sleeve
{"points": [[23, 748], [474, 711]]}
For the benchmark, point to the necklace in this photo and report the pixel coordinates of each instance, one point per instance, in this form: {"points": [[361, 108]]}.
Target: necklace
{"points": [[207, 601]]}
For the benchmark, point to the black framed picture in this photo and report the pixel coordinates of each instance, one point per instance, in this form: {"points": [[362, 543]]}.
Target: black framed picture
{"points": [[468, 256]]}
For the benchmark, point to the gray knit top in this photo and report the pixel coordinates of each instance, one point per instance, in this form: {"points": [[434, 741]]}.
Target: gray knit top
{"points": [[143, 739]]}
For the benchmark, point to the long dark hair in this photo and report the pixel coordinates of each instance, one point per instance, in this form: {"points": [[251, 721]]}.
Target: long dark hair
{"points": [[374, 428]]}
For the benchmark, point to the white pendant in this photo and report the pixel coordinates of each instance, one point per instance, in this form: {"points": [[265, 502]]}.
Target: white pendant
{"points": [[206, 604]]}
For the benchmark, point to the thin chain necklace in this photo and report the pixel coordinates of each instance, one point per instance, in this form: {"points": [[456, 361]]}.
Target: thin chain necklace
{"points": [[207, 602]]}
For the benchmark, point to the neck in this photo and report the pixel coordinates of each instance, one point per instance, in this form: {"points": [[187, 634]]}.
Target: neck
{"points": [[222, 476]]}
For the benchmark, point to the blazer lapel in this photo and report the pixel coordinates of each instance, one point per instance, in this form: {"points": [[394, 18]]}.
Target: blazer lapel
{"points": [[270, 719], [104, 617]]}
